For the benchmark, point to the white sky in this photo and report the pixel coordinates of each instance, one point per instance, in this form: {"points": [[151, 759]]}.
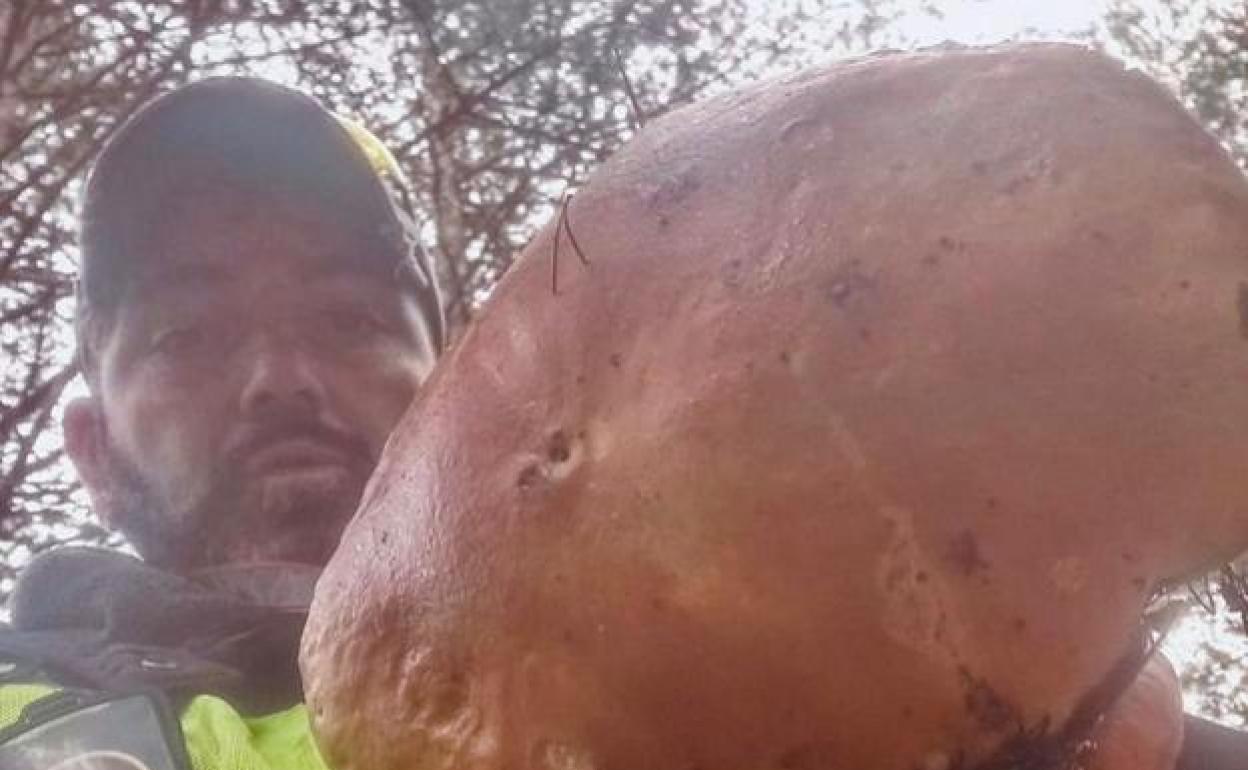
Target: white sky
{"points": [[985, 21]]}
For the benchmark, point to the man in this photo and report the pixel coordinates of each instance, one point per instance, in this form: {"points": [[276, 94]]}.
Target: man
{"points": [[254, 318]]}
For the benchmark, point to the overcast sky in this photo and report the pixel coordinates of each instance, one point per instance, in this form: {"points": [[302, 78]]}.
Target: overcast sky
{"points": [[989, 20]]}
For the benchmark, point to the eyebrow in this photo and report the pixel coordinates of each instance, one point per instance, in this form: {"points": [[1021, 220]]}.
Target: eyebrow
{"points": [[184, 276], [193, 275], [194, 272]]}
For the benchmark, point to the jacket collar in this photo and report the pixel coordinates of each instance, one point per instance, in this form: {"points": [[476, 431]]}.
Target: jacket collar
{"points": [[110, 621]]}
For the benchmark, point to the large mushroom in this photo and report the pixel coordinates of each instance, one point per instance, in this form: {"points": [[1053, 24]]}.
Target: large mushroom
{"points": [[890, 393]]}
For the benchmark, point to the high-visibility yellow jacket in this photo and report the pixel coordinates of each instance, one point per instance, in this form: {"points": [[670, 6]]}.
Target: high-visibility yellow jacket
{"points": [[111, 659]]}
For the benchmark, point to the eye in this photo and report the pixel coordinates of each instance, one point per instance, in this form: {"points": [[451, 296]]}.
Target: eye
{"points": [[178, 341], [351, 324]]}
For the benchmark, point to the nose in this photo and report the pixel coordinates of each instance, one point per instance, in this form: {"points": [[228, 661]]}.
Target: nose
{"points": [[279, 376]]}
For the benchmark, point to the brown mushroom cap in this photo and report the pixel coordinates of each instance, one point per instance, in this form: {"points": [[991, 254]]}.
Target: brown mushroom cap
{"points": [[890, 392]]}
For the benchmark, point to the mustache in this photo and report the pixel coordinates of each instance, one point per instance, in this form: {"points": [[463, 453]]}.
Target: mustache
{"points": [[255, 437]]}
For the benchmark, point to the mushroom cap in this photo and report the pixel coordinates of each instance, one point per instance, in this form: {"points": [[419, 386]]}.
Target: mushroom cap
{"points": [[889, 393]]}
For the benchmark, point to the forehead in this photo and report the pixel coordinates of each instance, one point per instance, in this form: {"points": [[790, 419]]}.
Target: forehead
{"points": [[209, 240]]}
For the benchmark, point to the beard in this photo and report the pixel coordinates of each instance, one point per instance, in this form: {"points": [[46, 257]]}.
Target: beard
{"points": [[230, 518]]}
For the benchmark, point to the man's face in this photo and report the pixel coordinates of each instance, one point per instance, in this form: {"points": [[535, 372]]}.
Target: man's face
{"points": [[247, 387]]}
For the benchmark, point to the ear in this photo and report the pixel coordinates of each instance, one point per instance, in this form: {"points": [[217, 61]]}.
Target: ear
{"points": [[86, 442]]}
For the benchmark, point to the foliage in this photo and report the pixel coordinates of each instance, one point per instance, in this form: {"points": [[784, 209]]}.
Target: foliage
{"points": [[1198, 49]]}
